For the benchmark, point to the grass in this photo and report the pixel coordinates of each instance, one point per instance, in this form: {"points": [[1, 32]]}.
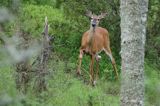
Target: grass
{"points": [[66, 89], [152, 88]]}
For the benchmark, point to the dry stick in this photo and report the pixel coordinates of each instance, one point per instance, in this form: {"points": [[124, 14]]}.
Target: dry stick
{"points": [[42, 70]]}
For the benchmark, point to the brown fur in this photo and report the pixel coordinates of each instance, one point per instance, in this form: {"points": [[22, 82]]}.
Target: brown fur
{"points": [[97, 42]]}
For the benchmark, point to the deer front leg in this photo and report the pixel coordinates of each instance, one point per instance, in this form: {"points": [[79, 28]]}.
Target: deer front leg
{"points": [[92, 70], [80, 62], [97, 57], [97, 67]]}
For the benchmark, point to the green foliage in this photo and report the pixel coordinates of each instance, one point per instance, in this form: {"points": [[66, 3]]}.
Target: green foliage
{"points": [[67, 23], [64, 89], [32, 19], [152, 86], [31, 22], [153, 35], [8, 92], [5, 3], [40, 2], [12, 5]]}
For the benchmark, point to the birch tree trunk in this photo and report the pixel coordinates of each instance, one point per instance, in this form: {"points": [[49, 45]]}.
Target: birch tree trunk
{"points": [[133, 31]]}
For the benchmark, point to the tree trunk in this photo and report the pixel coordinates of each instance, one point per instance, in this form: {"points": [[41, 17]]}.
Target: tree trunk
{"points": [[133, 31]]}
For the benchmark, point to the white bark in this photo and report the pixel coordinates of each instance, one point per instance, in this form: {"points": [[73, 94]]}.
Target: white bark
{"points": [[133, 31]]}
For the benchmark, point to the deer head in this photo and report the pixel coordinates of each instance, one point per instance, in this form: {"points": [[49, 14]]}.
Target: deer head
{"points": [[95, 19]]}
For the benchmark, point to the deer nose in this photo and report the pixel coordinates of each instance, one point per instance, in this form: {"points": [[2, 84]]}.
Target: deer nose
{"points": [[94, 23]]}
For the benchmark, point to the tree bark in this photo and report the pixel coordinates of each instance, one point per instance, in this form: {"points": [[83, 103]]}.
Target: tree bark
{"points": [[133, 31]]}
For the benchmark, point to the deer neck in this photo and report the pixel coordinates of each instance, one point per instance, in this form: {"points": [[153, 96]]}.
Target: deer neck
{"points": [[91, 34]]}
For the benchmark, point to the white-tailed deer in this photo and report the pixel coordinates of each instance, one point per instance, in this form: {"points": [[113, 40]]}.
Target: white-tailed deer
{"points": [[95, 40]]}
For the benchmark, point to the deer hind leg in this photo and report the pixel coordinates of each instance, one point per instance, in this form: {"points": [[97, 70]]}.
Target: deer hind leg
{"points": [[80, 62], [109, 53]]}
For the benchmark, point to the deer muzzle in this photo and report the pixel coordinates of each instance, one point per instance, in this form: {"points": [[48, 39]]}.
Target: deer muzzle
{"points": [[93, 23]]}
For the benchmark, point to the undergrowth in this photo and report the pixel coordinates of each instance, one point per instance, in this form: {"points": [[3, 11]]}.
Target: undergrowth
{"points": [[66, 89]]}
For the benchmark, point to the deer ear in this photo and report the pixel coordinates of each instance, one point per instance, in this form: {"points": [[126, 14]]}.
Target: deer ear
{"points": [[88, 13], [102, 15]]}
